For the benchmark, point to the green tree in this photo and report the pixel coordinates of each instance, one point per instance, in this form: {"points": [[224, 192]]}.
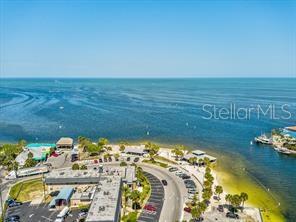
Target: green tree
{"points": [[218, 191], [83, 167], [178, 151], [207, 161], [195, 213], [116, 155], [121, 147], [200, 161], [126, 194], [30, 163], [207, 194], [135, 196], [75, 166], [30, 155], [195, 199], [102, 142], [152, 150], [22, 143], [93, 149], [244, 197], [228, 198], [236, 201], [192, 160]]}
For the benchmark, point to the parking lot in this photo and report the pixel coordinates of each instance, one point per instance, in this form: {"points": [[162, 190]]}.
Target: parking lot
{"points": [[156, 200], [38, 213]]}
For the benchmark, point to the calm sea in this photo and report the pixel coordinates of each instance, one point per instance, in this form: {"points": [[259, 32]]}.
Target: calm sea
{"points": [[162, 110]]}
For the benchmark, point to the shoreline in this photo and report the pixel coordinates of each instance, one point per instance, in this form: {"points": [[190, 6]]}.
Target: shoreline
{"points": [[226, 175]]}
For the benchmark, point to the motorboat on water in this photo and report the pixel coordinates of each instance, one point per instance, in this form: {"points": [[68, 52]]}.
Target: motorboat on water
{"points": [[283, 150], [263, 139]]}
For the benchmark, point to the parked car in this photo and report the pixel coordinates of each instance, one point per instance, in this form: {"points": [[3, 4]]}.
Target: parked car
{"points": [[192, 190], [110, 159], [54, 154], [149, 207], [59, 152], [95, 161], [187, 209], [105, 159], [100, 160], [128, 158], [173, 169], [116, 159], [15, 204], [185, 176], [136, 159], [220, 208], [232, 215], [13, 218], [178, 173], [82, 215], [54, 193], [164, 182], [190, 186], [85, 210]]}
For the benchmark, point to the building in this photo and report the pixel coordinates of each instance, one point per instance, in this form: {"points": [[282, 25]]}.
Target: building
{"points": [[56, 179], [63, 198], [135, 150], [106, 204], [65, 143], [199, 154], [40, 151], [22, 157]]}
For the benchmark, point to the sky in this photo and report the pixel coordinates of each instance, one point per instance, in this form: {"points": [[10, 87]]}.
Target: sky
{"points": [[100, 38]]}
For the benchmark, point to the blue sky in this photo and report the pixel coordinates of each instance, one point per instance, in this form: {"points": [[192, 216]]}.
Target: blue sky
{"points": [[148, 38]]}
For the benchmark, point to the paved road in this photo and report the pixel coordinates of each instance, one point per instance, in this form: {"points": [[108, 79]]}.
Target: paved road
{"points": [[156, 199]]}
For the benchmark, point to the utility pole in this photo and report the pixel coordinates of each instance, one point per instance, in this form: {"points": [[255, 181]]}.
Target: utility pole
{"points": [[43, 183]]}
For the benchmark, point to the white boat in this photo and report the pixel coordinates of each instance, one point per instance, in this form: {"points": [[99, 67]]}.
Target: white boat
{"points": [[283, 150], [263, 139]]}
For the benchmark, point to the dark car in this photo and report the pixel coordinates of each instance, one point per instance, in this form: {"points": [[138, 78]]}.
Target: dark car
{"points": [[232, 215], [187, 209], [185, 176], [9, 201], [105, 159], [85, 210], [220, 208], [100, 160], [173, 169], [12, 218], [110, 159], [14, 204], [117, 159], [136, 159], [164, 182], [128, 159], [54, 193]]}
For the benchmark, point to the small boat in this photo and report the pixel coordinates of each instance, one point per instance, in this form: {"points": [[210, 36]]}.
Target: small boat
{"points": [[283, 150], [263, 139]]}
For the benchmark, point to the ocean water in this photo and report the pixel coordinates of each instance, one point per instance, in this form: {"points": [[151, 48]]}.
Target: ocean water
{"points": [[163, 110]]}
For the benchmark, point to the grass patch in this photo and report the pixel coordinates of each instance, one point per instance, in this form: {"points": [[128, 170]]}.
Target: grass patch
{"points": [[131, 217], [164, 165], [27, 190], [161, 158]]}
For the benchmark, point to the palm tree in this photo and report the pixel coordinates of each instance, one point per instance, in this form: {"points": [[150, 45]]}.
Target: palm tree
{"points": [[178, 151], [126, 195], [228, 198], [135, 197], [207, 161], [121, 147], [244, 197], [200, 162], [218, 190], [195, 212], [152, 150], [102, 142]]}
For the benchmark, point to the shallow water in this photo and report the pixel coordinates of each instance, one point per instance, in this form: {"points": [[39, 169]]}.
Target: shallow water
{"points": [[166, 111]]}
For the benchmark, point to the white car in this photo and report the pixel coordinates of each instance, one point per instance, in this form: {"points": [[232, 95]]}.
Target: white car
{"points": [[178, 173]]}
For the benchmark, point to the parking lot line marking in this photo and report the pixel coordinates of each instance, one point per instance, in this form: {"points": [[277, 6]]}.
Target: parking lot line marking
{"points": [[46, 218]]}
